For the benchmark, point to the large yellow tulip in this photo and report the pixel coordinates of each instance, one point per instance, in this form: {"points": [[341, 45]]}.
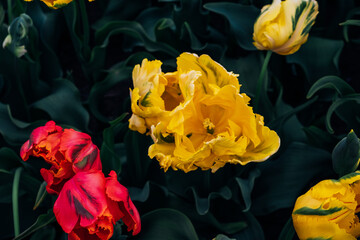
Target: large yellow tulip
{"points": [[213, 125]]}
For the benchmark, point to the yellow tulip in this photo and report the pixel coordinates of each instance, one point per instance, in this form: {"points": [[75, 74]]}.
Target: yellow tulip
{"points": [[55, 4], [284, 26], [216, 125], [196, 116], [329, 210]]}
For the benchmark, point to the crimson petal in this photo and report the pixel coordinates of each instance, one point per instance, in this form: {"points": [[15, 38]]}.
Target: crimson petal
{"points": [[79, 149], [82, 199], [121, 205]]}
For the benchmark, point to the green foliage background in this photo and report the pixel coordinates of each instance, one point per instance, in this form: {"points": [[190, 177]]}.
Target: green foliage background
{"points": [[81, 80]]}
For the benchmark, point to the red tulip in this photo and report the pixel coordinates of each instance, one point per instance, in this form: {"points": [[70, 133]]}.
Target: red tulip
{"points": [[68, 152], [89, 205]]}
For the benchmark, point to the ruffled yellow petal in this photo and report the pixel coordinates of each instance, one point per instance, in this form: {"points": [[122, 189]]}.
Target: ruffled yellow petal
{"points": [[211, 71]]}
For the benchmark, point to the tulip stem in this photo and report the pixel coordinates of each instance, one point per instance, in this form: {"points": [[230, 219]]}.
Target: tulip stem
{"points": [[10, 15], [15, 201], [259, 84], [86, 29]]}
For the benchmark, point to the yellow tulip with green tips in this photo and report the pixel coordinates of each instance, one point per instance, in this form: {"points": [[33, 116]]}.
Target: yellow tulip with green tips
{"points": [[329, 210], [284, 26]]}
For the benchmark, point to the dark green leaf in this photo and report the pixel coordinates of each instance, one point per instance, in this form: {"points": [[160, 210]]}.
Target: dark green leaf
{"points": [[348, 99], [223, 237], [248, 67], [111, 160], [40, 195], [135, 30], [333, 82], [9, 159], [138, 161], [252, 231], [14, 131], [166, 222], [203, 204], [64, 105], [115, 76], [320, 138], [246, 186], [283, 179], [346, 154], [46, 233], [324, 57], [288, 231], [42, 221], [241, 19]]}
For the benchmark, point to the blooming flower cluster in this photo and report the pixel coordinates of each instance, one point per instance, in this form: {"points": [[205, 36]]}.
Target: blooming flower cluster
{"points": [[329, 210], [196, 116], [88, 203]]}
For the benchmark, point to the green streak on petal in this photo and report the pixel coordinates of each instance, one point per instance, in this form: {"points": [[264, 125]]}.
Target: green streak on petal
{"points": [[298, 12], [306, 30], [319, 238], [59, 5], [168, 139], [317, 211], [145, 102], [350, 175]]}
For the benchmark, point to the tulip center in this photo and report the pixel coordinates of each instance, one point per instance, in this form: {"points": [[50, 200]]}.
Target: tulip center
{"points": [[209, 126]]}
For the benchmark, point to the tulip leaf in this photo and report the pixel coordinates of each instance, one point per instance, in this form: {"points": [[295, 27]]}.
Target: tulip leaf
{"points": [[138, 161], [295, 168], [246, 186], [166, 222], [191, 11], [223, 237], [14, 132], [64, 105], [70, 12], [203, 204], [135, 30], [40, 195], [9, 159], [252, 231], [320, 138], [241, 19], [332, 82], [348, 99], [248, 67], [111, 160], [46, 233], [324, 57], [346, 154], [42, 221], [288, 231]]}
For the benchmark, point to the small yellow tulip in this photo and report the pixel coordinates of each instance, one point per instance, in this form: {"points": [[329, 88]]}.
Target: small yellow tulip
{"points": [[55, 4], [284, 26], [329, 210]]}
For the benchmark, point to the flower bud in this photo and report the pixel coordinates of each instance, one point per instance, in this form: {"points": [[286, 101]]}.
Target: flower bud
{"points": [[284, 26]]}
